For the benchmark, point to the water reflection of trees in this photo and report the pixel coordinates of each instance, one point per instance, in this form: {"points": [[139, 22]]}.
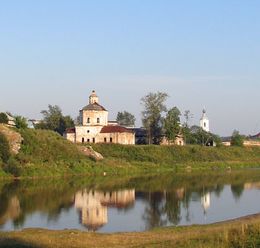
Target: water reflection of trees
{"points": [[237, 190], [165, 207], [164, 197]]}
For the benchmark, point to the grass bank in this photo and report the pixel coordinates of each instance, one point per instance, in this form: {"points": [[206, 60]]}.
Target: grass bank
{"points": [[45, 153], [177, 157], [244, 232]]}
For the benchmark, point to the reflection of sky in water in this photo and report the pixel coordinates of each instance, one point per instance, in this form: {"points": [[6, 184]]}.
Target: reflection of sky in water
{"points": [[145, 210]]}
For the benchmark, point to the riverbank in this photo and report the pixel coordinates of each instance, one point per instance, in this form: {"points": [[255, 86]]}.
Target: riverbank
{"points": [[46, 154], [242, 232]]}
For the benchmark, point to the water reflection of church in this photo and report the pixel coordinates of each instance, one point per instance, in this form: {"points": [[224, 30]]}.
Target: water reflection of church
{"points": [[93, 205]]}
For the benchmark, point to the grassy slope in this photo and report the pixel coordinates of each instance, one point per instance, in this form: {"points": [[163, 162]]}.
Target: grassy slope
{"points": [[176, 156], [45, 153], [244, 232]]}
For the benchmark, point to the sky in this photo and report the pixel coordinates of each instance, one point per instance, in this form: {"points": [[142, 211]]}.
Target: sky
{"points": [[204, 54]]}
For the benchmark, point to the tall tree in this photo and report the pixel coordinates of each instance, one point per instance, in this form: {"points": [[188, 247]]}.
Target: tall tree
{"points": [[172, 124], [154, 106], [125, 118], [53, 119]]}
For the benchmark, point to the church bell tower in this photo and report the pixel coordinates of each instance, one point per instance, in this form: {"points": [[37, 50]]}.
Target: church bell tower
{"points": [[204, 121], [93, 98]]}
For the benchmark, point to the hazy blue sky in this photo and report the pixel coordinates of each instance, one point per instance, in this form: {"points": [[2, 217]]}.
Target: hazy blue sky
{"points": [[202, 53]]}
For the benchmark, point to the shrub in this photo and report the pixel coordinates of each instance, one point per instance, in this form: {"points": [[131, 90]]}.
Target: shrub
{"points": [[3, 118], [4, 148], [13, 167], [237, 139], [21, 122]]}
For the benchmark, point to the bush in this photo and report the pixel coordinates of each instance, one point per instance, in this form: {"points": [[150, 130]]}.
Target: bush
{"points": [[237, 139], [3, 118], [4, 148], [13, 167], [21, 122]]}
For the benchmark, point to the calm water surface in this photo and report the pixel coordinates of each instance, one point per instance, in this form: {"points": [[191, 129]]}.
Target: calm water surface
{"points": [[129, 204]]}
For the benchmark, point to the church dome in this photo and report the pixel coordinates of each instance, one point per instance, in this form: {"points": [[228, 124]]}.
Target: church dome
{"points": [[94, 106]]}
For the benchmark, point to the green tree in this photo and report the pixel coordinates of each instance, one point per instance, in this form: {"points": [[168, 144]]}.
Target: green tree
{"points": [[196, 135], [125, 119], [154, 106], [4, 148], [68, 121], [237, 139], [21, 122], [172, 123], [53, 119], [3, 118]]}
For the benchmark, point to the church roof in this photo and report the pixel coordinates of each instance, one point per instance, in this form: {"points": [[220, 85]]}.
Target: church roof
{"points": [[115, 129], [71, 130], [94, 106]]}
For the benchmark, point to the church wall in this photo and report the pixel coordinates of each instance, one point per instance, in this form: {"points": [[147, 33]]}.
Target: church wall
{"points": [[118, 138], [91, 134], [70, 136], [93, 116], [87, 133]]}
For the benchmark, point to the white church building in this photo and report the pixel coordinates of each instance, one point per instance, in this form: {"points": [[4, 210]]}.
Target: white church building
{"points": [[94, 126]]}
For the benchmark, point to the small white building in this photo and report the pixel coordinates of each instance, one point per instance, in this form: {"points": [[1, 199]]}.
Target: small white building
{"points": [[204, 121]]}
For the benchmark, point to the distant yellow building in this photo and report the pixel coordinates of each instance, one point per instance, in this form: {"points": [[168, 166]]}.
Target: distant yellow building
{"points": [[94, 126], [179, 141]]}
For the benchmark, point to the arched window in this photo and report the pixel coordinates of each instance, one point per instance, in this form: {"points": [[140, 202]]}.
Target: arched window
{"points": [[88, 120], [98, 120]]}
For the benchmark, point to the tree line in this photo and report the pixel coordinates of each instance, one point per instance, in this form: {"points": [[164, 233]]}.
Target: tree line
{"points": [[158, 122]]}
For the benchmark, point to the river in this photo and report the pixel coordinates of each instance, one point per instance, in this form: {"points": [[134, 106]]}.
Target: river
{"points": [[120, 204]]}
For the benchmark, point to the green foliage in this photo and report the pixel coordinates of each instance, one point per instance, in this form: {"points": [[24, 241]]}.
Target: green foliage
{"points": [[3, 118], [125, 119], [237, 139], [172, 123], [13, 167], [20, 122], [53, 119], [4, 148], [154, 106], [197, 136]]}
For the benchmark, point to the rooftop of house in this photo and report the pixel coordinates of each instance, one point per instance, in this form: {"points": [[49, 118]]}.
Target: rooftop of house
{"points": [[257, 136]]}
